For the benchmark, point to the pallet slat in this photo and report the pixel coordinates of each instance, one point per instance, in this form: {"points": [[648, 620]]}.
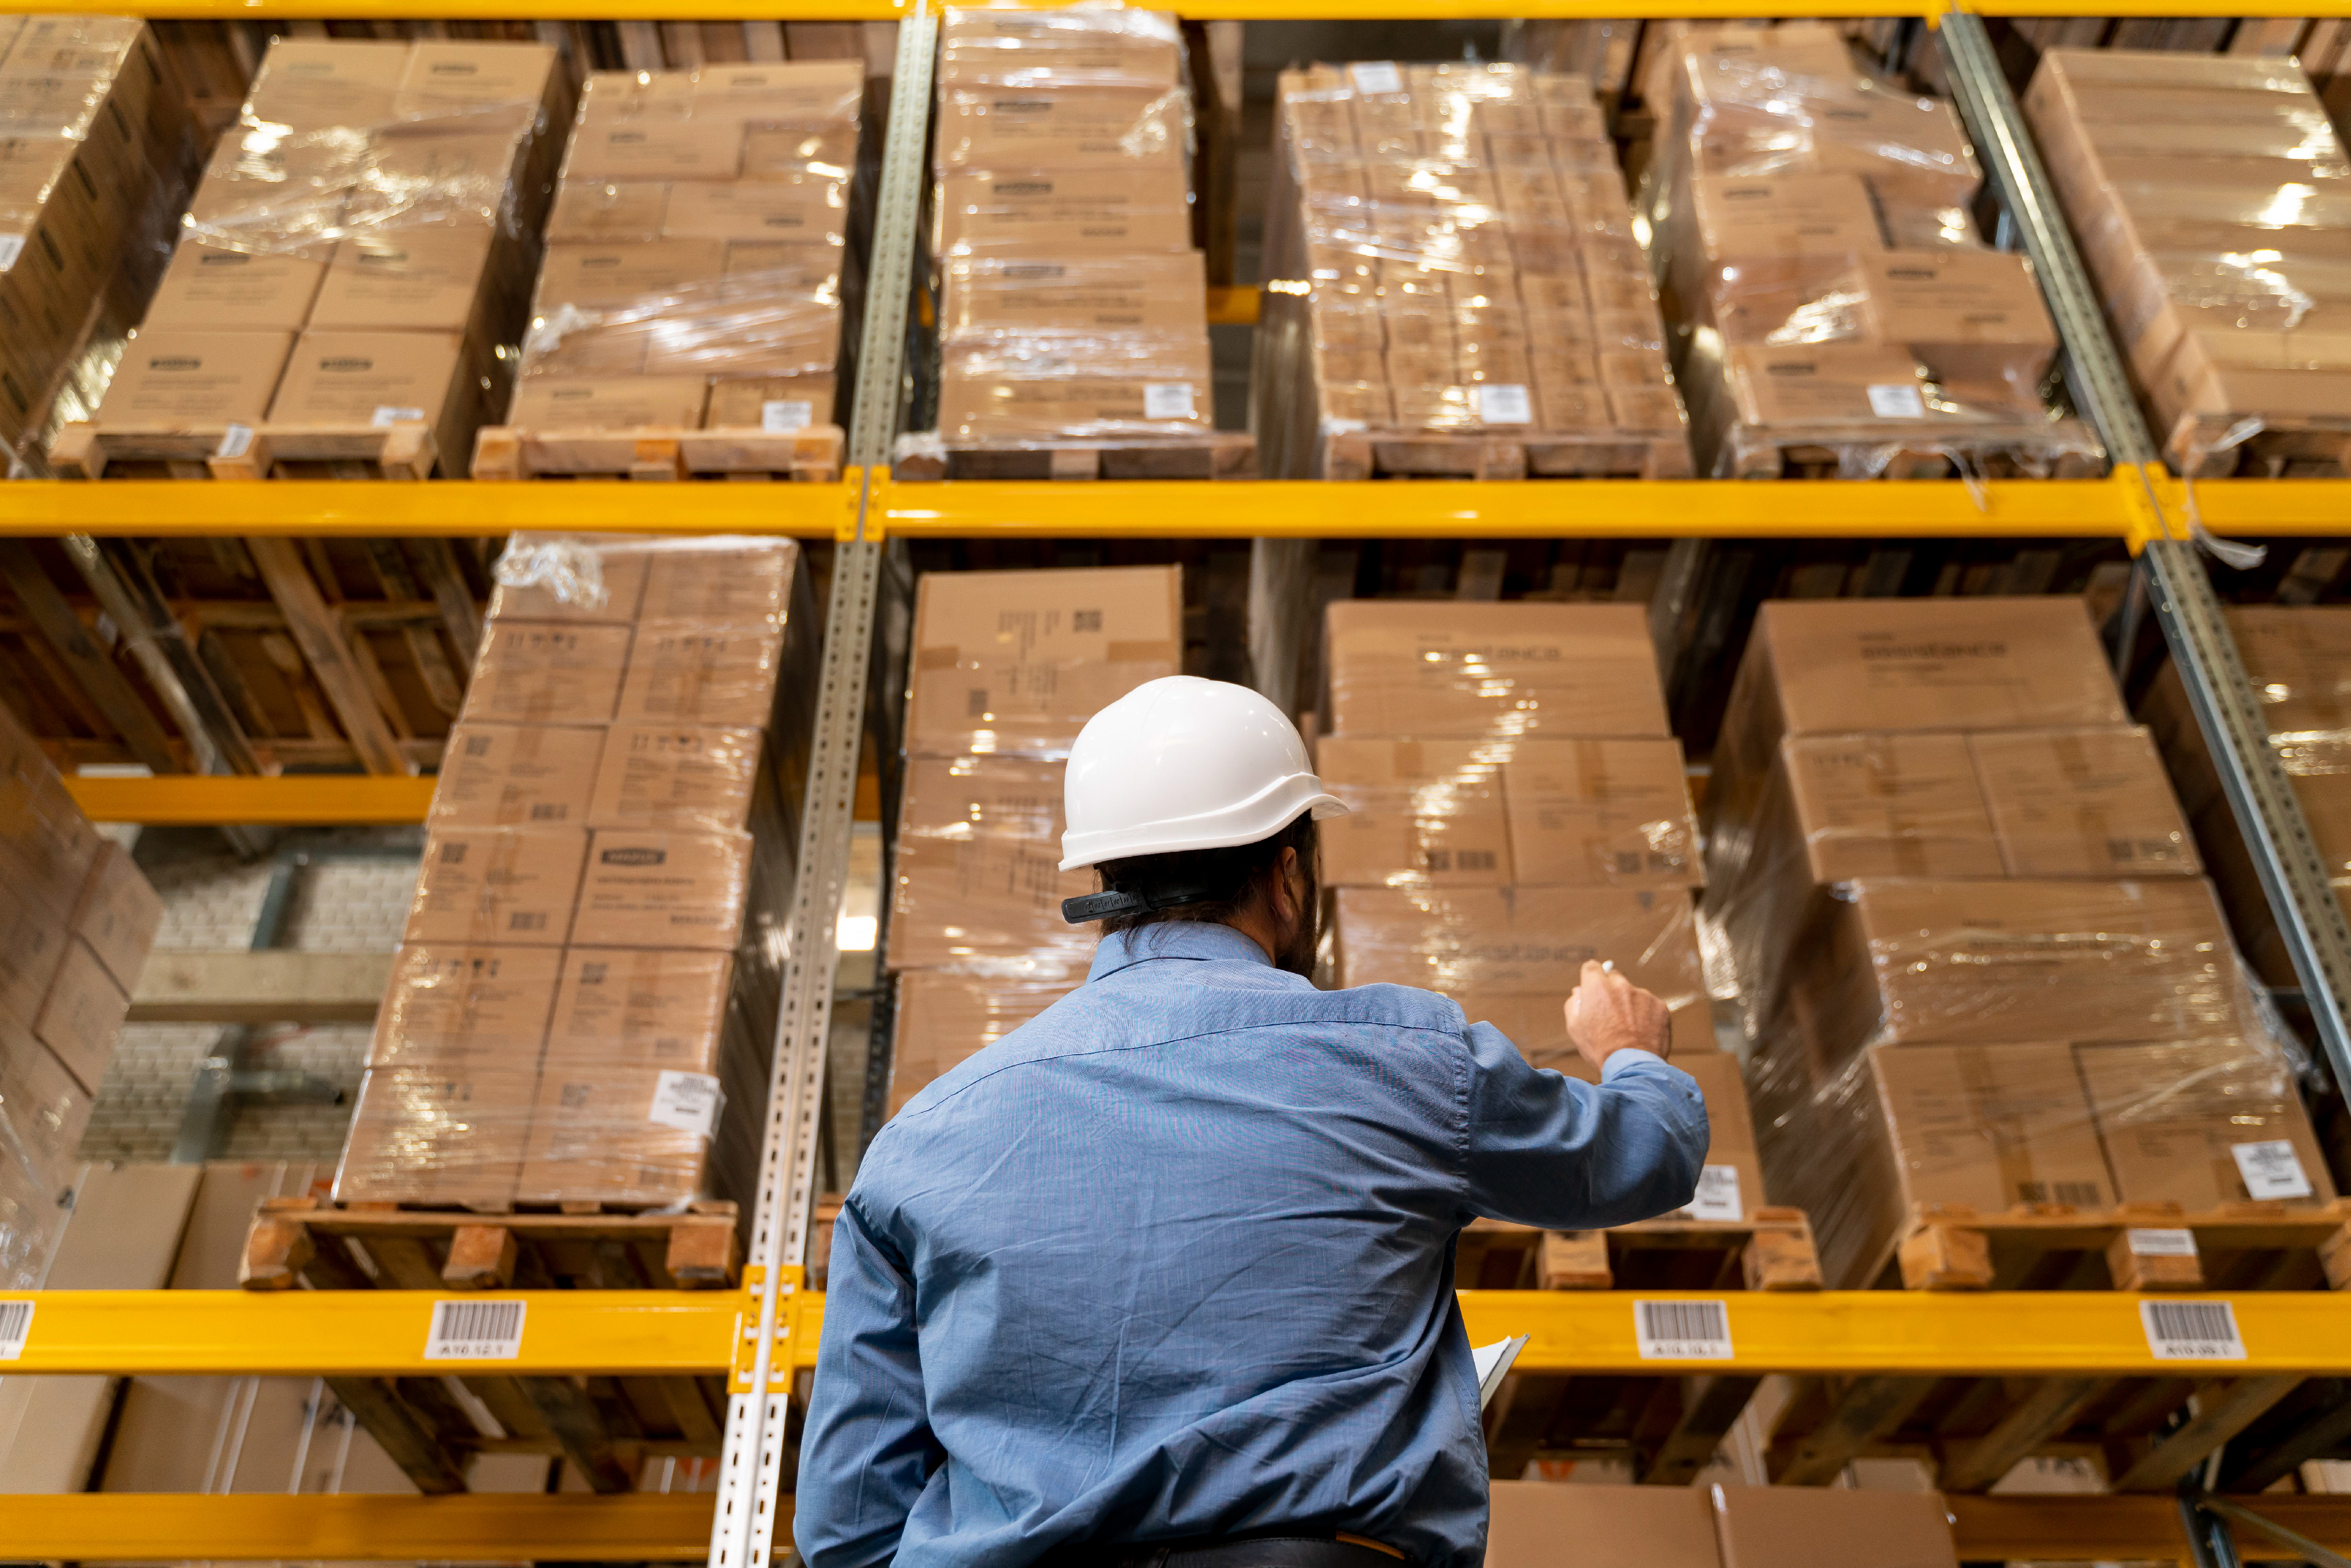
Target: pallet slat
{"points": [[810, 456], [1226, 454], [399, 451]]}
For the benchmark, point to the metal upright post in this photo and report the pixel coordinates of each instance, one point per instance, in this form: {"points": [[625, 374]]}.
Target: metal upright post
{"points": [[751, 1463], [2292, 873]]}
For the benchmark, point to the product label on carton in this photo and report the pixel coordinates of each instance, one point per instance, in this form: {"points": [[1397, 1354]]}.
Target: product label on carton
{"points": [[2272, 1169], [11, 247], [236, 441], [1168, 400], [686, 1101], [1896, 402], [2191, 1330], [1376, 76], [475, 1331], [1504, 404], [1682, 1331], [1717, 1194], [385, 414], [779, 415], [2147, 1243]]}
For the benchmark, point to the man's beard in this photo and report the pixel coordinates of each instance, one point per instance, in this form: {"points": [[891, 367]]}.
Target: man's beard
{"points": [[1297, 955]]}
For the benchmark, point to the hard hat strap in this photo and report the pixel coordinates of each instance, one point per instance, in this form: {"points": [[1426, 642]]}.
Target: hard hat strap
{"points": [[1104, 906]]}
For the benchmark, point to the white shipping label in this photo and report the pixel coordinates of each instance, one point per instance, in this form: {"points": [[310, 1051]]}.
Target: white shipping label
{"points": [[778, 415], [1682, 1331], [1503, 403], [16, 1328], [235, 441], [686, 1101], [11, 247], [1376, 76], [1897, 400], [2191, 1330], [475, 1331], [386, 415], [2272, 1169], [1717, 1194], [1168, 400], [2160, 1243]]}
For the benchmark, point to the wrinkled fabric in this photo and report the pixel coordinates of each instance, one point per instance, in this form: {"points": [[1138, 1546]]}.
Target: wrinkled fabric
{"points": [[1174, 1259]]}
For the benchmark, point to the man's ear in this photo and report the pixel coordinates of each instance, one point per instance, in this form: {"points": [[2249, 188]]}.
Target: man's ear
{"points": [[1286, 905]]}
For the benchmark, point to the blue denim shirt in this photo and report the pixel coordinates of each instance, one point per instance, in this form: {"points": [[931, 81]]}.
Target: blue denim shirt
{"points": [[1174, 1259]]}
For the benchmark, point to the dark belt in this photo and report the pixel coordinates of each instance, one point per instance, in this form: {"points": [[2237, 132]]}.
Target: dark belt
{"points": [[1271, 1551]]}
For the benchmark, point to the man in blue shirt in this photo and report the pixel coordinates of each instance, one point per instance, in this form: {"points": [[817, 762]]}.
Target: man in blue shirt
{"points": [[1164, 1277]]}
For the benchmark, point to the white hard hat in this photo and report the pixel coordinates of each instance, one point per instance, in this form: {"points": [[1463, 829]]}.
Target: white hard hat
{"points": [[1185, 763]]}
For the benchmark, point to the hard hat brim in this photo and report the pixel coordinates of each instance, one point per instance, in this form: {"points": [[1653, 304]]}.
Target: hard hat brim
{"points": [[1273, 810]]}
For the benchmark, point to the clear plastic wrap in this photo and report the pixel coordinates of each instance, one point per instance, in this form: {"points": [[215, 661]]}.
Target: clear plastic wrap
{"points": [[1454, 255], [2208, 194], [97, 152], [978, 887], [696, 256], [1498, 671], [942, 1018], [1833, 302], [360, 249]]}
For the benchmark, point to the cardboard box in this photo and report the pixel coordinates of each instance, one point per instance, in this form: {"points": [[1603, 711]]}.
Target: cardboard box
{"points": [[1017, 661], [616, 561], [533, 672], [474, 84], [978, 401], [2299, 657], [174, 376], [653, 146], [1509, 669], [1882, 805], [484, 886], [1744, 217], [1989, 1126], [640, 1007], [1063, 212], [1825, 383], [452, 1007], [82, 1014], [771, 403], [318, 84], [2197, 1123], [649, 889], [703, 778], [605, 276], [1058, 129], [49, 1111], [1967, 314], [405, 280], [208, 288], [1540, 1523], [517, 775], [431, 1135], [978, 869], [1089, 293], [1601, 814], [743, 583], [1803, 1527], [619, 1134], [543, 403], [692, 672], [810, 209], [381, 378], [1421, 813], [945, 1019], [118, 914], [605, 211], [1010, 48], [2082, 803], [808, 93]]}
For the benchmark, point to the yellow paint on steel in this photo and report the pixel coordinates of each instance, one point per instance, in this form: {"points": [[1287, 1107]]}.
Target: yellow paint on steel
{"points": [[1232, 307], [2279, 507], [446, 508], [361, 1527], [287, 800]]}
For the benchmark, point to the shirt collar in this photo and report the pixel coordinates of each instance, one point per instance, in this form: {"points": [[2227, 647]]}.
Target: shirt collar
{"points": [[1195, 939]]}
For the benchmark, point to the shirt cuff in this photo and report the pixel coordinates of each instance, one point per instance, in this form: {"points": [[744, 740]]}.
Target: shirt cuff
{"points": [[1619, 1061]]}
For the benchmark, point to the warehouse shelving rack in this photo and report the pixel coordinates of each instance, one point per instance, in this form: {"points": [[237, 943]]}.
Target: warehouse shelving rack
{"points": [[766, 1333]]}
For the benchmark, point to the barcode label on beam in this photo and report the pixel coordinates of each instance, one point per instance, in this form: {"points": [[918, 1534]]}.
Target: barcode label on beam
{"points": [[475, 1331], [2191, 1330], [16, 1328], [1682, 1331]]}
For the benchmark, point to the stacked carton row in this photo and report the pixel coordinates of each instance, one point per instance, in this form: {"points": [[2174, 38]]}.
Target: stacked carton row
{"points": [[1007, 668], [2200, 188], [360, 250], [1518, 807], [97, 147], [1074, 308], [78, 922], [1966, 915], [1465, 263], [583, 1005], [1828, 288], [696, 251]]}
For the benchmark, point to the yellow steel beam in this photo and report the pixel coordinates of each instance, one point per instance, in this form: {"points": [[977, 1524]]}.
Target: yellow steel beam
{"points": [[2284, 507], [1591, 508], [359, 1527], [307, 799], [449, 508], [1232, 307]]}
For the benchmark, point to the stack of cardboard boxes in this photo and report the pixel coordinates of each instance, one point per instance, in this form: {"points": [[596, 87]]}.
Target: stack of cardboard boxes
{"points": [[1007, 667], [1518, 807], [97, 146], [1464, 250], [76, 928], [360, 253], [1826, 283], [1074, 307], [585, 1002], [696, 251], [2192, 183], [1965, 915]]}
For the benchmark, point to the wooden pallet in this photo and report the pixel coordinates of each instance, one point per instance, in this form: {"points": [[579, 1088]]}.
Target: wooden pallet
{"points": [[606, 1427], [2065, 450], [2241, 1247], [1431, 454], [1772, 1250], [810, 456], [1222, 454], [2285, 446], [402, 451]]}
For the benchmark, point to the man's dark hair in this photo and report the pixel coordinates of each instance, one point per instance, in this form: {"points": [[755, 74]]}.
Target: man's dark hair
{"points": [[1238, 874]]}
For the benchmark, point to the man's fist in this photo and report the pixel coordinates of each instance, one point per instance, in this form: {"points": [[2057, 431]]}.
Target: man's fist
{"points": [[1607, 1013]]}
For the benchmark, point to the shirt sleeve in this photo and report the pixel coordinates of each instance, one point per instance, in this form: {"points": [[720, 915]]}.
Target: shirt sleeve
{"points": [[867, 1446], [1550, 1150]]}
